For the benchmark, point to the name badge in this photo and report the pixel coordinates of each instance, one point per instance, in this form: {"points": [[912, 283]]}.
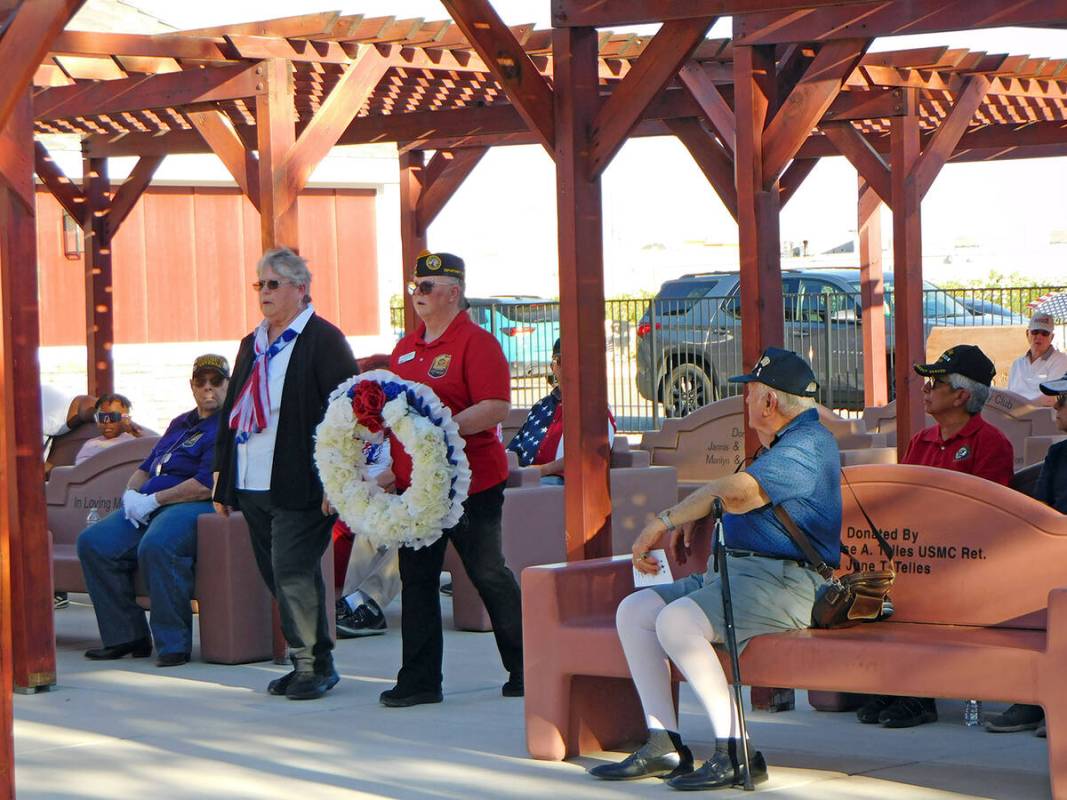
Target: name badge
{"points": [[406, 357]]}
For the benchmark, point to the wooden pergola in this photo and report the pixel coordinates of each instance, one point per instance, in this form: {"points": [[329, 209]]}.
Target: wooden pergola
{"points": [[794, 84]]}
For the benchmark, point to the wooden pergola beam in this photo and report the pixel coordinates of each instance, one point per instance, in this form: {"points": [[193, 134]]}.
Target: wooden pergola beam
{"points": [[657, 65], [807, 103], [600, 14], [892, 18], [99, 319], [25, 42], [707, 95], [240, 161], [872, 295], [510, 64], [949, 132], [412, 234], [276, 134], [868, 162], [169, 89], [61, 187], [130, 192], [16, 161], [444, 182], [712, 158]]}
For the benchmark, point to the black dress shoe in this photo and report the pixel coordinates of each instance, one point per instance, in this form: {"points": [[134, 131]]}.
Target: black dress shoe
{"points": [[394, 698], [278, 686], [642, 765], [141, 648], [875, 705], [515, 687], [172, 659], [311, 685], [718, 771]]}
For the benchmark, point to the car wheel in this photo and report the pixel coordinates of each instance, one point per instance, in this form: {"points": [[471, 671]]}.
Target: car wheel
{"points": [[688, 388]]}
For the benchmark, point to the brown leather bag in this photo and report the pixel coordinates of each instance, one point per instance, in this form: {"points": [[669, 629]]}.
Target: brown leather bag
{"points": [[859, 596]]}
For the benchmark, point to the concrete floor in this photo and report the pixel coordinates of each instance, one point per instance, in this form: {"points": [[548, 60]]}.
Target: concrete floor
{"points": [[128, 729]]}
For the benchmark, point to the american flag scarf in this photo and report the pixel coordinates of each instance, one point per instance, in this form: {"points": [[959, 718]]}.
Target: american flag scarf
{"points": [[252, 408]]}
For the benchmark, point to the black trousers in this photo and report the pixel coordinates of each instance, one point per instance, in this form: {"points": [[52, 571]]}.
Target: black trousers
{"points": [[289, 546], [477, 540]]}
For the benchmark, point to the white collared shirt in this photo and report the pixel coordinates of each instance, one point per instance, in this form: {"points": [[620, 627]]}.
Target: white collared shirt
{"points": [[1026, 376], [255, 458]]}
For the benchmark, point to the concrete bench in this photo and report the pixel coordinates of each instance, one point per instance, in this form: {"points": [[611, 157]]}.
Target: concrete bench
{"points": [[950, 635], [232, 602], [532, 523]]}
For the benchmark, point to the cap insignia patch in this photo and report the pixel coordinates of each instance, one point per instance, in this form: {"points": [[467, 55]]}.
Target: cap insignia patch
{"points": [[433, 262]]}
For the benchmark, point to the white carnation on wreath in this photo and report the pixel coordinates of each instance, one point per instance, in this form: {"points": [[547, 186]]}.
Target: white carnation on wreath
{"points": [[362, 410]]}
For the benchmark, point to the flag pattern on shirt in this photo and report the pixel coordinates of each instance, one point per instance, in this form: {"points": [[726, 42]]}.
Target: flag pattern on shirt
{"points": [[527, 441]]}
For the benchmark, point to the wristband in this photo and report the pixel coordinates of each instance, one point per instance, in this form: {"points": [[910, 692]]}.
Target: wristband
{"points": [[665, 518]]}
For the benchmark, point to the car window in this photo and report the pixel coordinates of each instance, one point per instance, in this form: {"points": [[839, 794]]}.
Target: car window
{"points": [[790, 294], [678, 297], [822, 300], [530, 313]]}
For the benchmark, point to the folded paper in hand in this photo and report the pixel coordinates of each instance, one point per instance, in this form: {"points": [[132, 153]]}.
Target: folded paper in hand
{"points": [[662, 575]]}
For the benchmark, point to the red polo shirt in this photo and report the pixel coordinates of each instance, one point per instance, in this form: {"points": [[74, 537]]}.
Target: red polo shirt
{"points": [[978, 449], [464, 366]]}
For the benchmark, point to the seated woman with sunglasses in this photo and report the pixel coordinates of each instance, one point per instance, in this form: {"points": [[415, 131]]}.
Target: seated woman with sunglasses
{"points": [[539, 442], [155, 531], [112, 419]]}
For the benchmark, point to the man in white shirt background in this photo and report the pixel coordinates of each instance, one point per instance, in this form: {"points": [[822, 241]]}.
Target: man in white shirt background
{"points": [[1040, 363]]}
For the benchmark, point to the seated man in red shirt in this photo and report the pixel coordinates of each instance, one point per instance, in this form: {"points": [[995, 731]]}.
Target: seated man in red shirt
{"points": [[954, 394]]}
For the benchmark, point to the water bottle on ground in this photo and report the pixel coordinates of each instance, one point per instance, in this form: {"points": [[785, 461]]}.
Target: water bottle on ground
{"points": [[92, 517], [972, 713]]}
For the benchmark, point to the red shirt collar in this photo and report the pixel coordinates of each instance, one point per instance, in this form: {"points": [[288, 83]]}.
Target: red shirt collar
{"points": [[933, 433], [461, 318]]}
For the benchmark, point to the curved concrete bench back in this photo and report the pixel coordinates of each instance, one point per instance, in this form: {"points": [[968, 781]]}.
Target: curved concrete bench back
{"points": [[1013, 415], [64, 449], [1036, 448], [980, 612], [532, 523], [72, 491]]}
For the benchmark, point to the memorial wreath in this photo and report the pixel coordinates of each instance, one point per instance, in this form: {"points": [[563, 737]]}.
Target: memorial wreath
{"points": [[363, 410]]}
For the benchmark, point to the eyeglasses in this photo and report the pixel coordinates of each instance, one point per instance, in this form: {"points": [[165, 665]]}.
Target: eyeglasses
{"points": [[1040, 333], [422, 287], [932, 384], [272, 284], [108, 416], [203, 380], [557, 360]]}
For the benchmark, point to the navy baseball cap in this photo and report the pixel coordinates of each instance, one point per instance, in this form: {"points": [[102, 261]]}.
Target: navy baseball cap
{"points": [[967, 360], [1058, 386], [783, 370]]}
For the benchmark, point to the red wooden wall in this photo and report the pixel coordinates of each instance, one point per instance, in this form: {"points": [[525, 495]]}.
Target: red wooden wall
{"points": [[185, 257]]}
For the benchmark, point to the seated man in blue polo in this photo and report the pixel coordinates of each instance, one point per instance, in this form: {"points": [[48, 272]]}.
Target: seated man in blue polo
{"points": [[155, 531], [772, 585]]}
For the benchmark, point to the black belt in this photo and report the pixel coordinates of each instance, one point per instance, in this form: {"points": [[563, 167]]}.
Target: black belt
{"points": [[753, 554]]}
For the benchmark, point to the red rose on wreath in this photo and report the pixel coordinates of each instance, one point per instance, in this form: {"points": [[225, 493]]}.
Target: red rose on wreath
{"points": [[367, 404]]}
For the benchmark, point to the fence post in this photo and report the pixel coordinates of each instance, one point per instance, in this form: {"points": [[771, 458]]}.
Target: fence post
{"points": [[654, 365]]}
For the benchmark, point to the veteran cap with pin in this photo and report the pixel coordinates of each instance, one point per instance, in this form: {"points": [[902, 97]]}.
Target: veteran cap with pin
{"points": [[430, 264], [783, 370]]}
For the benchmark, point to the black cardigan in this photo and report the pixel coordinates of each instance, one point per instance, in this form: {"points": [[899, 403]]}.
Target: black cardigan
{"points": [[321, 360]]}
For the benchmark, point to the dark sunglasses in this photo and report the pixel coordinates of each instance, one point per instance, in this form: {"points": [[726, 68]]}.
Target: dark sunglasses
{"points": [[203, 380], [935, 382], [1040, 333], [421, 287], [272, 284], [108, 416]]}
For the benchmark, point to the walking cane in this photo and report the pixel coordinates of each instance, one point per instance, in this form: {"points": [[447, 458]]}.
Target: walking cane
{"points": [[731, 640]]}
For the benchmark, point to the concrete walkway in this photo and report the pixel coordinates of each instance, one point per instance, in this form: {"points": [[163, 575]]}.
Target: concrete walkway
{"points": [[128, 729]]}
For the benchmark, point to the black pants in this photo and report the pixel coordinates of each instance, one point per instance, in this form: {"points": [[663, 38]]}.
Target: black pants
{"points": [[477, 540], [289, 546]]}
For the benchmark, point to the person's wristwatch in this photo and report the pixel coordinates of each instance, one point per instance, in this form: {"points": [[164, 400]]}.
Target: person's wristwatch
{"points": [[665, 518]]}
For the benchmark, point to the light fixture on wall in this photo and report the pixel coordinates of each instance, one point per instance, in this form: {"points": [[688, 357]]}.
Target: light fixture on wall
{"points": [[73, 241]]}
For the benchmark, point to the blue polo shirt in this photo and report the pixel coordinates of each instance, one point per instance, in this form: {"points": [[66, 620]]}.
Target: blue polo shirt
{"points": [[186, 450], [801, 472]]}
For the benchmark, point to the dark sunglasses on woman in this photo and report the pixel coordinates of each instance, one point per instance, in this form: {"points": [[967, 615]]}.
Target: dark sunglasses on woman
{"points": [[108, 416]]}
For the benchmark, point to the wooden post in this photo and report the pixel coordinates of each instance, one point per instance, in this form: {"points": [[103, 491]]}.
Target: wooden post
{"points": [[762, 317], [412, 233], [99, 316], [33, 634], [276, 134], [869, 210], [8, 510], [907, 278], [581, 289]]}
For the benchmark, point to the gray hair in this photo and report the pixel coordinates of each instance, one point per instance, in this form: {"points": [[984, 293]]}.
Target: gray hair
{"points": [[979, 391], [287, 265], [792, 405]]}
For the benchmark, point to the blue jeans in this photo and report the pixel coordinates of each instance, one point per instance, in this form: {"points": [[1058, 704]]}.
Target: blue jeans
{"points": [[112, 549]]}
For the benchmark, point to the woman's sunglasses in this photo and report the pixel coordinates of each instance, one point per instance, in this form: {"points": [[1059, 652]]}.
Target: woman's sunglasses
{"points": [[108, 416], [272, 284]]}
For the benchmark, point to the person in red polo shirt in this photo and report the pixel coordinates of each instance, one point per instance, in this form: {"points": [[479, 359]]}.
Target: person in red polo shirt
{"points": [[954, 394], [466, 368]]}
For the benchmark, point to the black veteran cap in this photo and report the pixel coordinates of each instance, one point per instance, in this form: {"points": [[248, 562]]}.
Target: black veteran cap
{"points": [[1058, 386], [783, 370], [209, 362], [431, 264], [963, 359]]}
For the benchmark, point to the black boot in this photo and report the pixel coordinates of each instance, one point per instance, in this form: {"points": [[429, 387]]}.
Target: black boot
{"points": [[722, 769], [662, 756]]}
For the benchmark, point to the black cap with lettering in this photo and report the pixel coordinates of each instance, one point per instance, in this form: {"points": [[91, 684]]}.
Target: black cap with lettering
{"points": [[430, 264], [967, 360], [783, 370]]}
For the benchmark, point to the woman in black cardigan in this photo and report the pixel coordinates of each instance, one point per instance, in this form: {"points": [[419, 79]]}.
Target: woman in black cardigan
{"points": [[282, 379]]}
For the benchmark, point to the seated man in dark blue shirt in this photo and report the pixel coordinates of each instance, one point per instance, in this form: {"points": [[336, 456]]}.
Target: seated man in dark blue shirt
{"points": [[1051, 489], [155, 530], [772, 586]]}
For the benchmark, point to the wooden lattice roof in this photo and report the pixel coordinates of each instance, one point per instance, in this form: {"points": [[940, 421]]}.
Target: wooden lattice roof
{"points": [[115, 85]]}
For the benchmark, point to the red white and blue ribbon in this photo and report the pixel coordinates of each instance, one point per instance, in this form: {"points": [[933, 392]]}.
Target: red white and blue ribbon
{"points": [[251, 410]]}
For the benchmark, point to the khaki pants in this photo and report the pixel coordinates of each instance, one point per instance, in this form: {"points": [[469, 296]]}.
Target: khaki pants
{"points": [[374, 572]]}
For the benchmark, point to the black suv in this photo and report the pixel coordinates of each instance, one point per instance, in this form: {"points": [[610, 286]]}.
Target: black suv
{"points": [[691, 333]]}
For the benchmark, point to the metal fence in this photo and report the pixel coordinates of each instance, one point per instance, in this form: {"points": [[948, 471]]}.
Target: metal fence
{"points": [[667, 358]]}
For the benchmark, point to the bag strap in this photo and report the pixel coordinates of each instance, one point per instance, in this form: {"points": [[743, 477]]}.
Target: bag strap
{"points": [[886, 548], [804, 543]]}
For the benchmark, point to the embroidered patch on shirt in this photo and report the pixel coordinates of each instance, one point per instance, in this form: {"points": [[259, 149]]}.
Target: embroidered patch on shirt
{"points": [[440, 365], [406, 357], [193, 439], [962, 453]]}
